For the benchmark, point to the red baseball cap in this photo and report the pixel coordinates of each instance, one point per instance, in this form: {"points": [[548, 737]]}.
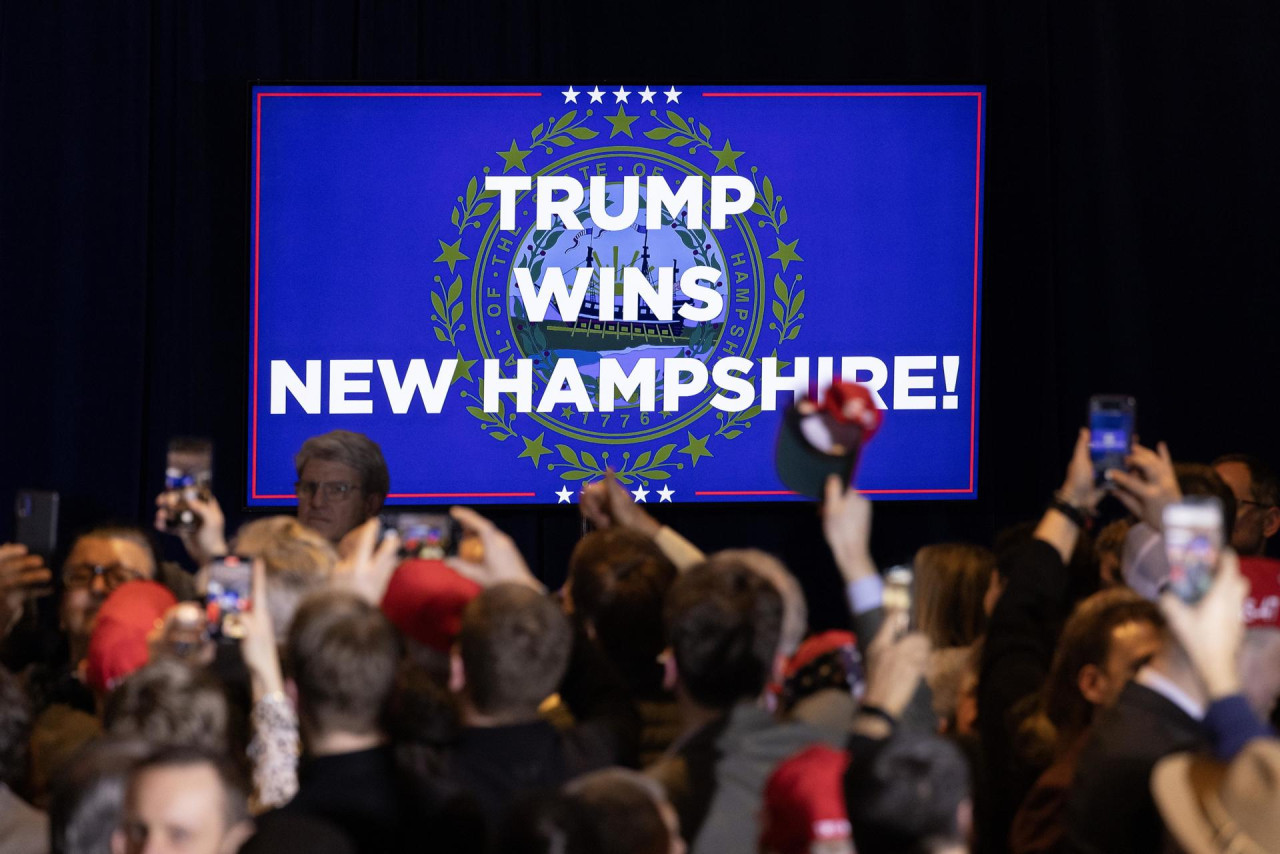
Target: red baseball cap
{"points": [[1262, 605], [425, 599], [118, 644], [804, 801]]}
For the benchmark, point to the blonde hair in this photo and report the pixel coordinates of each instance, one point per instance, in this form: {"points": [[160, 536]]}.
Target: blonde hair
{"points": [[951, 580], [297, 559]]}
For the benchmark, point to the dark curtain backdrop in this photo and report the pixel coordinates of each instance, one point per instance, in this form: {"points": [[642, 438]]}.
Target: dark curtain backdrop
{"points": [[1130, 235]]}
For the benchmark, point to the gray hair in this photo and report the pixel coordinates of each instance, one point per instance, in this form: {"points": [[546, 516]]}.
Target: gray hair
{"points": [[353, 449]]}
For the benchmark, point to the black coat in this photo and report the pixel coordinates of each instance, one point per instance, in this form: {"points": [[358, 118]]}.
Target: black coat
{"points": [[1110, 808]]}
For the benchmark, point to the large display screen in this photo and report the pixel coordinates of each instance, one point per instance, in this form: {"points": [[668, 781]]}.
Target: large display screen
{"points": [[514, 289]]}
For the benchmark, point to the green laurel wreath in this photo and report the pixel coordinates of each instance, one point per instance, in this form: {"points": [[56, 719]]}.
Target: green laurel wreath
{"points": [[678, 132], [643, 468], [446, 312]]}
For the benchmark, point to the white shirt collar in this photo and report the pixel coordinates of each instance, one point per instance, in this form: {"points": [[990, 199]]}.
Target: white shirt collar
{"points": [[1164, 686]]}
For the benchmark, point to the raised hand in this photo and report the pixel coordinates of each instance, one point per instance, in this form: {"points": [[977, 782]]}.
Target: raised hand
{"points": [[1147, 493], [22, 575], [605, 504], [206, 541], [1212, 630], [846, 524], [367, 564], [499, 560]]}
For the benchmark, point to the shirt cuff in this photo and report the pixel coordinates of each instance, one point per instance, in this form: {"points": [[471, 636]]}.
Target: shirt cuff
{"points": [[865, 594]]}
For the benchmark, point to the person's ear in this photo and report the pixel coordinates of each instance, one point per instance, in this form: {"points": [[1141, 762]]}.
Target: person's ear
{"points": [[1092, 683], [372, 504], [457, 674], [1271, 523]]}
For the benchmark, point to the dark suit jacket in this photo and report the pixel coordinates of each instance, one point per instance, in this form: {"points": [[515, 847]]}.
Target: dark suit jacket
{"points": [[1110, 808], [362, 794]]}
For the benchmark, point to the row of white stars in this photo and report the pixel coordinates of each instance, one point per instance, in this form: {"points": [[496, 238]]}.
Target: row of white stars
{"points": [[640, 493], [621, 96]]}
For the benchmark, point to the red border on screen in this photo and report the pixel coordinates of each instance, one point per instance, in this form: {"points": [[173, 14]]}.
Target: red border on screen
{"points": [[766, 493]]}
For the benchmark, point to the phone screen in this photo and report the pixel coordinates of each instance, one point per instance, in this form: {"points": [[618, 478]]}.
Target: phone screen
{"points": [[189, 463], [1193, 543], [431, 536], [229, 595], [1111, 421]]}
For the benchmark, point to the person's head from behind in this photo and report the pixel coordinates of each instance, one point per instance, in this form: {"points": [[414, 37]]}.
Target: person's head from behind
{"points": [[549, 823], [724, 621], [795, 610], [954, 584], [909, 795], [1105, 641], [87, 795], [100, 561], [298, 561], [169, 702], [1257, 493], [342, 481], [511, 654], [341, 658], [630, 811], [182, 799], [618, 580]]}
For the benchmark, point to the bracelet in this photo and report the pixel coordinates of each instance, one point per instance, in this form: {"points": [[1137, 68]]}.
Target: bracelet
{"points": [[1078, 515], [877, 712]]}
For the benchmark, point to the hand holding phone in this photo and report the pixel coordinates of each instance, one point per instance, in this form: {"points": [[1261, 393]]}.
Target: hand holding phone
{"points": [[188, 476], [1112, 419], [1193, 540], [429, 536], [898, 584], [229, 596]]}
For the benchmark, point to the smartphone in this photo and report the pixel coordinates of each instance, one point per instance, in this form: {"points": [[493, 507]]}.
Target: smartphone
{"points": [[35, 521], [1193, 538], [1111, 423], [188, 471], [431, 536], [898, 584], [229, 596]]}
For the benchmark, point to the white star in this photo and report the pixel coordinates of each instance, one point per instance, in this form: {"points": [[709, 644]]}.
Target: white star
{"points": [[673, 95], [646, 95], [665, 494], [596, 95], [640, 493], [621, 96], [564, 495], [570, 95]]}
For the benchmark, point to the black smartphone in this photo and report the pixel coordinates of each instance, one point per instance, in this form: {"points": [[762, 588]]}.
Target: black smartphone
{"points": [[1112, 418], [431, 536], [228, 596], [188, 472], [1193, 539], [35, 521]]}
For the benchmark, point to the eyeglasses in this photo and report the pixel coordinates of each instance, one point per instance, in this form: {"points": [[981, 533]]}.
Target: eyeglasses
{"points": [[115, 574], [1241, 502], [332, 490]]}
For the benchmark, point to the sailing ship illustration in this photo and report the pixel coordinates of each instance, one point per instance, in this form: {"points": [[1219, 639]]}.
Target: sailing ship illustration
{"points": [[590, 332]]}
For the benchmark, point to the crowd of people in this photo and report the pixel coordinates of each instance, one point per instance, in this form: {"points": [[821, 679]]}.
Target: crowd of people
{"points": [[1045, 694]]}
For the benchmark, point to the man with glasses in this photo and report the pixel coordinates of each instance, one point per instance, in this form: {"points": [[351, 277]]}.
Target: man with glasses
{"points": [[99, 562], [342, 481], [1255, 487]]}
